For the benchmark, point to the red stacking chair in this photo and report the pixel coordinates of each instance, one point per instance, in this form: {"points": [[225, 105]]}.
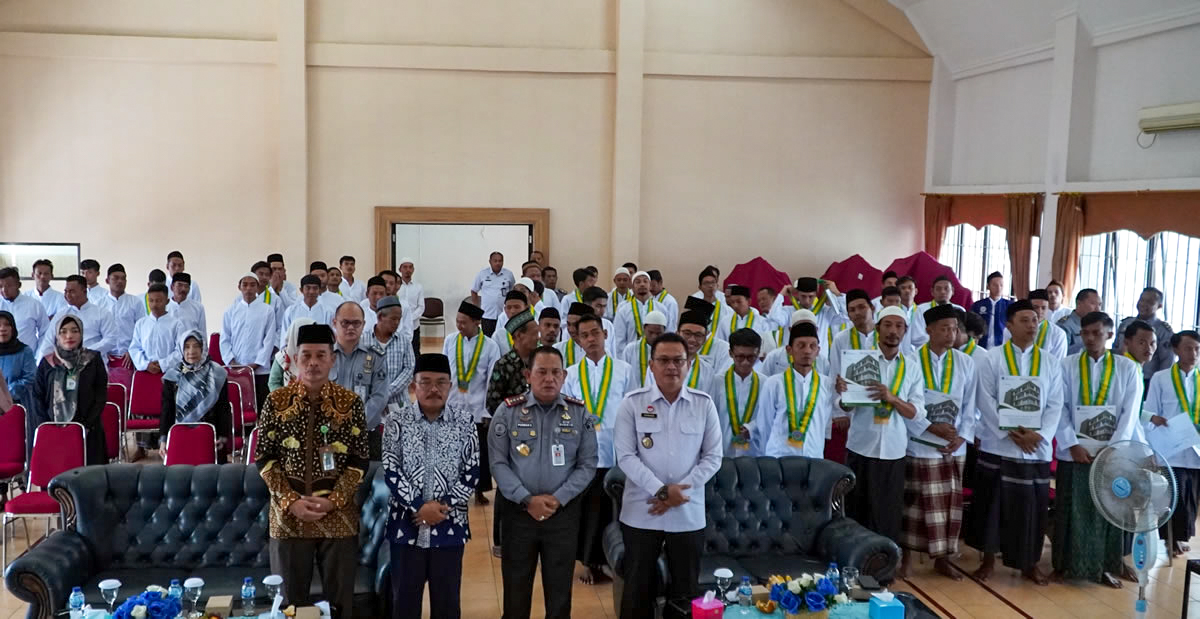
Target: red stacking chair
{"points": [[119, 394], [251, 445], [242, 400], [57, 448], [145, 403], [214, 348], [122, 376], [191, 443], [12, 446], [110, 420]]}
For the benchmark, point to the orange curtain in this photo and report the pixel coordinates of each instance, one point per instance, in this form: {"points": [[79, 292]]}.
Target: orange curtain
{"points": [[937, 219], [1067, 232], [1023, 214], [1145, 212]]}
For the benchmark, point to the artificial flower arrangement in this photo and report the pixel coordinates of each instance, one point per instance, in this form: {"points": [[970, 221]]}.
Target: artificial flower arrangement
{"points": [[810, 595], [154, 603]]}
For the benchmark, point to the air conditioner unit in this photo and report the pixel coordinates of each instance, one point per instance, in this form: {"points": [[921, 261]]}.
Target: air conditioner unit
{"points": [[1169, 117]]}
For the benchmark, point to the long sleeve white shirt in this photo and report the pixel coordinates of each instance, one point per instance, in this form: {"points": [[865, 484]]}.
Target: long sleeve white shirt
{"points": [[248, 335], [626, 325], [842, 341], [190, 313], [319, 312], [778, 361], [889, 441], [155, 339], [621, 383], [332, 300], [670, 307], [353, 292], [1124, 396], [1162, 400], [412, 296], [916, 324], [193, 291], [475, 398], [742, 388], [31, 318], [99, 333], [52, 300], [637, 355], [992, 439], [684, 439], [964, 385], [126, 310], [771, 430], [1055, 345], [96, 293], [752, 320]]}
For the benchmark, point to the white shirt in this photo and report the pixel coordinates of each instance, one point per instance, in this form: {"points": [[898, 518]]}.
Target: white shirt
{"points": [[632, 355], [670, 307], [332, 300], [564, 305], [190, 313], [752, 320], [889, 441], [1055, 343], [290, 292], [318, 312], [30, 316], [1162, 401], [772, 430], [717, 294], [1124, 396], [1056, 315], [126, 310], [572, 355], [916, 324], [475, 398], [491, 288], [741, 391], [685, 448], [623, 381], [843, 341], [992, 439], [96, 293], [625, 327], [964, 385], [369, 315], [193, 291], [717, 355], [99, 332], [52, 300], [616, 301], [412, 296], [155, 339], [248, 335], [353, 292], [777, 362], [700, 374], [278, 304]]}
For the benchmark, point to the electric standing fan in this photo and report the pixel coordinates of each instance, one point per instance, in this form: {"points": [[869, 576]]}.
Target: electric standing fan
{"points": [[1134, 489]]}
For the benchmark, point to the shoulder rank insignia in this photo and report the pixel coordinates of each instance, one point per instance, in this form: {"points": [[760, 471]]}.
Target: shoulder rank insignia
{"points": [[515, 400], [570, 400]]}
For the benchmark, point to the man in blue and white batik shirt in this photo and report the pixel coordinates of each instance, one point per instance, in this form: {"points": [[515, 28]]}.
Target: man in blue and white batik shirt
{"points": [[431, 466]]}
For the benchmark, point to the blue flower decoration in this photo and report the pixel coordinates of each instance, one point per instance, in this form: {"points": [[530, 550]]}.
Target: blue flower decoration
{"points": [[157, 606], [777, 592], [814, 601], [826, 587], [790, 602]]}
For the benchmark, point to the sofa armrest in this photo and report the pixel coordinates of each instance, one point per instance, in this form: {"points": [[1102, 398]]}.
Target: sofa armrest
{"points": [[849, 543], [45, 574], [614, 547], [614, 486], [383, 569]]}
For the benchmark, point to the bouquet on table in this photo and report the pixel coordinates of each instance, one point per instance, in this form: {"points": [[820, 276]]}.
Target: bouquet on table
{"points": [[809, 596], [154, 603]]}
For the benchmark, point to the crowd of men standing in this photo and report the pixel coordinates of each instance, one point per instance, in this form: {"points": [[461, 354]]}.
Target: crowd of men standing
{"points": [[544, 390]]}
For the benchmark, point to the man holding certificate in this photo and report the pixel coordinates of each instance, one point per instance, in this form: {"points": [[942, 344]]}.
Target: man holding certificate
{"points": [[888, 404], [1173, 406], [797, 402], [933, 477], [1102, 397], [1020, 402]]}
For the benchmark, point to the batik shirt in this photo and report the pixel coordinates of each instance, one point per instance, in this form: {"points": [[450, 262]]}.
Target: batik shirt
{"points": [[508, 379]]}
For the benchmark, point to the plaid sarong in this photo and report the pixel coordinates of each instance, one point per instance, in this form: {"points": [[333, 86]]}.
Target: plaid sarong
{"points": [[932, 505]]}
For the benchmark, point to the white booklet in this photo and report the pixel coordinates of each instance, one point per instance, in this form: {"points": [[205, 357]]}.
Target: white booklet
{"points": [[939, 408], [860, 369], [1094, 426], [1179, 434], [1020, 404]]}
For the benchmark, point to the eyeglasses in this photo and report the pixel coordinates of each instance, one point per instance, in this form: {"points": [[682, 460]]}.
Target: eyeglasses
{"points": [[434, 384], [676, 361], [745, 357], [351, 324]]}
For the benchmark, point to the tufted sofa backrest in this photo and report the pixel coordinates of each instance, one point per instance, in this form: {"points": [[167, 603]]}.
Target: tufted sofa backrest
{"points": [[769, 505], [188, 516]]}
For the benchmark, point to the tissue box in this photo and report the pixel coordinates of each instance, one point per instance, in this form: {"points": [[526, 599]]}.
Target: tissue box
{"points": [[219, 605], [885, 609], [711, 609]]}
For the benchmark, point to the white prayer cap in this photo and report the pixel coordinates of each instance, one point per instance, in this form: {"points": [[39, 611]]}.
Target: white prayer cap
{"points": [[655, 317], [526, 282], [404, 260], [248, 274], [803, 315], [641, 274], [621, 271], [893, 310]]}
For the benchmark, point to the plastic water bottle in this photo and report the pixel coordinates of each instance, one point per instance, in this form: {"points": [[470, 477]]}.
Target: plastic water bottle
{"points": [[248, 598], [745, 592], [175, 590], [834, 575], [75, 603]]}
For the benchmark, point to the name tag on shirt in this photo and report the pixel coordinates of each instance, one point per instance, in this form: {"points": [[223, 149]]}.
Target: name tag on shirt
{"points": [[327, 462], [558, 455], [361, 391], [72, 383]]}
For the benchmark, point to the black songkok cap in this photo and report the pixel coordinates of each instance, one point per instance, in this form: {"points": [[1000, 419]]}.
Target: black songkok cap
{"points": [[580, 309], [940, 312], [315, 334], [470, 310], [739, 291], [806, 284], [432, 362]]}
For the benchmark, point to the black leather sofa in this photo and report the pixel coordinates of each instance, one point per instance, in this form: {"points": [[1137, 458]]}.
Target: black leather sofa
{"points": [[145, 525], [771, 516]]}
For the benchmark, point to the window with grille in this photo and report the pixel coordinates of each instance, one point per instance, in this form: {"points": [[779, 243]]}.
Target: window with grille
{"points": [[1119, 265], [974, 253]]}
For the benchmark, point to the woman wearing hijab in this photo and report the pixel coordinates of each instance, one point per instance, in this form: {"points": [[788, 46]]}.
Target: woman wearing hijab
{"points": [[16, 362], [284, 370], [196, 390], [72, 386]]}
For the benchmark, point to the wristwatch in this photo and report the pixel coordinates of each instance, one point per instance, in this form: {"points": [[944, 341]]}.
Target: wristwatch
{"points": [[662, 494]]}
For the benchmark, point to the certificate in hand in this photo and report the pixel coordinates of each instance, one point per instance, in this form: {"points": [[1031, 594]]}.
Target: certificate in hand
{"points": [[860, 369], [939, 408], [1020, 403], [1094, 427], [1176, 436]]}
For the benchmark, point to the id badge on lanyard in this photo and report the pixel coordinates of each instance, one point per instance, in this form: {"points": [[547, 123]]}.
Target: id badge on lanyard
{"points": [[328, 463], [558, 455], [72, 382]]}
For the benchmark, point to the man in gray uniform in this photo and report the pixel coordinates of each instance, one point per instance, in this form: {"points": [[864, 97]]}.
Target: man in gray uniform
{"points": [[542, 448], [361, 370]]}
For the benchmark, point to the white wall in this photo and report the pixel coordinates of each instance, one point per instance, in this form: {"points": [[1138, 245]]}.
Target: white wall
{"points": [[1000, 126]]}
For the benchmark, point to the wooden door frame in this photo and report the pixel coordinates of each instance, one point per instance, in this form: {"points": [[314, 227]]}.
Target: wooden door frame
{"points": [[386, 216]]}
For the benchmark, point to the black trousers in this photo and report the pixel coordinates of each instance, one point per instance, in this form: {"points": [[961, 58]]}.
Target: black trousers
{"points": [[485, 469], [261, 389], [642, 549], [417, 341], [525, 542], [877, 499], [337, 560], [375, 445], [488, 325], [412, 567]]}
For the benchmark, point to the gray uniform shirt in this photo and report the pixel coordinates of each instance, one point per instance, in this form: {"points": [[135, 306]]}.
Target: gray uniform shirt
{"points": [[365, 373], [1163, 357], [1072, 326], [522, 420]]}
